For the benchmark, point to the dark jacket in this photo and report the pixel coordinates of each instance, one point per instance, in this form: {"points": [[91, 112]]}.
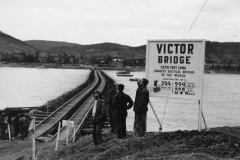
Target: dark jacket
{"points": [[122, 101], [100, 113], [141, 100], [16, 120], [23, 122]]}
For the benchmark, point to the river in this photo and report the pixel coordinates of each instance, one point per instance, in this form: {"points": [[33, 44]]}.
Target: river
{"points": [[221, 104], [28, 87]]}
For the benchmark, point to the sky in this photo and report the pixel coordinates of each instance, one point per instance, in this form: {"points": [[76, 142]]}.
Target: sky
{"points": [[126, 22]]}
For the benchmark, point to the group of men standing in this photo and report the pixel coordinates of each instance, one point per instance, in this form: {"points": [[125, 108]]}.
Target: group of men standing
{"points": [[18, 126], [118, 106], [123, 102]]}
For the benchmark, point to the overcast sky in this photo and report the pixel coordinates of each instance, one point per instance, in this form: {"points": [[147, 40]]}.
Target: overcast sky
{"points": [[127, 22]]}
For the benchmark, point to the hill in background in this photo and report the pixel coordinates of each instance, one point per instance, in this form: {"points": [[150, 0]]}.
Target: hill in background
{"points": [[9, 44], [225, 52], [47, 45], [215, 51]]}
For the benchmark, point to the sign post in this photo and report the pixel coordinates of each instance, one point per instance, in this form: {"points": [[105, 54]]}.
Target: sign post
{"points": [[9, 133], [175, 69], [67, 135], [74, 132], [59, 125], [33, 140], [68, 124], [160, 125]]}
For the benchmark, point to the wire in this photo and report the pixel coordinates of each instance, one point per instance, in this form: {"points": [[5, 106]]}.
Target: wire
{"points": [[195, 19], [164, 111]]}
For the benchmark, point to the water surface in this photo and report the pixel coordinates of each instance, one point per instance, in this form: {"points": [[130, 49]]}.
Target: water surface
{"points": [[27, 87], [221, 104]]}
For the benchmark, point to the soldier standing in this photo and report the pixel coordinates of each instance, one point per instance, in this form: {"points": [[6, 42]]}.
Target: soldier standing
{"points": [[140, 108], [3, 125], [16, 125], [98, 114], [121, 102], [23, 126]]}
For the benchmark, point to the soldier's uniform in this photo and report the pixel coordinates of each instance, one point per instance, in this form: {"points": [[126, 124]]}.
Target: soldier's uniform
{"points": [[3, 126], [23, 126], [140, 109], [98, 114], [122, 102]]}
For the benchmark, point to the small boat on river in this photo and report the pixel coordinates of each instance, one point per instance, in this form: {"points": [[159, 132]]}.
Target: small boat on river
{"points": [[134, 79], [124, 73]]}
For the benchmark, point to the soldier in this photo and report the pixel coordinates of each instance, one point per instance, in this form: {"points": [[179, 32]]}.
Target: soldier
{"points": [[98, 114], [23, 126], [140, 108], [29, 117], [137, 91], [16, 125], [3, 125], [121, 102]]}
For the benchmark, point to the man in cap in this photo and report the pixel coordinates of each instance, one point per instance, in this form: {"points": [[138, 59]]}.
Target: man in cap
{"points": [[140, 108], [121, 102], [139, 81], [98, 114]]}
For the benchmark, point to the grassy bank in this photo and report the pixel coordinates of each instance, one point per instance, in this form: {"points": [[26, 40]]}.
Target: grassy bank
{"points": [[218, 143]]}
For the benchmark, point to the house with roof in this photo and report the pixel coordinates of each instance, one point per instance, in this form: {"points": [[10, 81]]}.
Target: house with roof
{"points": [[18, 56], [62, 57], [71, 59], [43, 57]]}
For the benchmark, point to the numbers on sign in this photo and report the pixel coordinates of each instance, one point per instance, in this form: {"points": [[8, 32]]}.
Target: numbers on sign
{"points": [[180, 84], [165, 83], [179, 89]]}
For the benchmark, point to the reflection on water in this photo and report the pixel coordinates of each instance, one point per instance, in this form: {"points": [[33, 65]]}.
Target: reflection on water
{"points": [[221, 104], [24, 87]]}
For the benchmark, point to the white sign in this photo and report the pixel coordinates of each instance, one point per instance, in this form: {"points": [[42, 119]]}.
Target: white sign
{"points": [[175, 68], [68, 123]]}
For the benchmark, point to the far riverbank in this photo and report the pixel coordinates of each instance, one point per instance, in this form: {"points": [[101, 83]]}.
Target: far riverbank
{"points": [[81, 66]]}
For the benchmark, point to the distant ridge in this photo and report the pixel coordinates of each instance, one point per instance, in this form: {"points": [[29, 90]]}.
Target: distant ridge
{"points": [[47, 45], [9, 44], [215, 51], [227, 52]]}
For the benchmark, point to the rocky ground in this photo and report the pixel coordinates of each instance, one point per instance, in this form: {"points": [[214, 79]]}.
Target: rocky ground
{"points": [[218, 143]]}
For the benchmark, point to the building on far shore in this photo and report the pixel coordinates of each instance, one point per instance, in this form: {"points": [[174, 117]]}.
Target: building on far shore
{"points": [[1, 57]]}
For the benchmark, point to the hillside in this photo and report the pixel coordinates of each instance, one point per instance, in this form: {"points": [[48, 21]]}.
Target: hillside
{"points": [[215, 51], [227, 51], [102, 49], [47, 45], [9, 44]]}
